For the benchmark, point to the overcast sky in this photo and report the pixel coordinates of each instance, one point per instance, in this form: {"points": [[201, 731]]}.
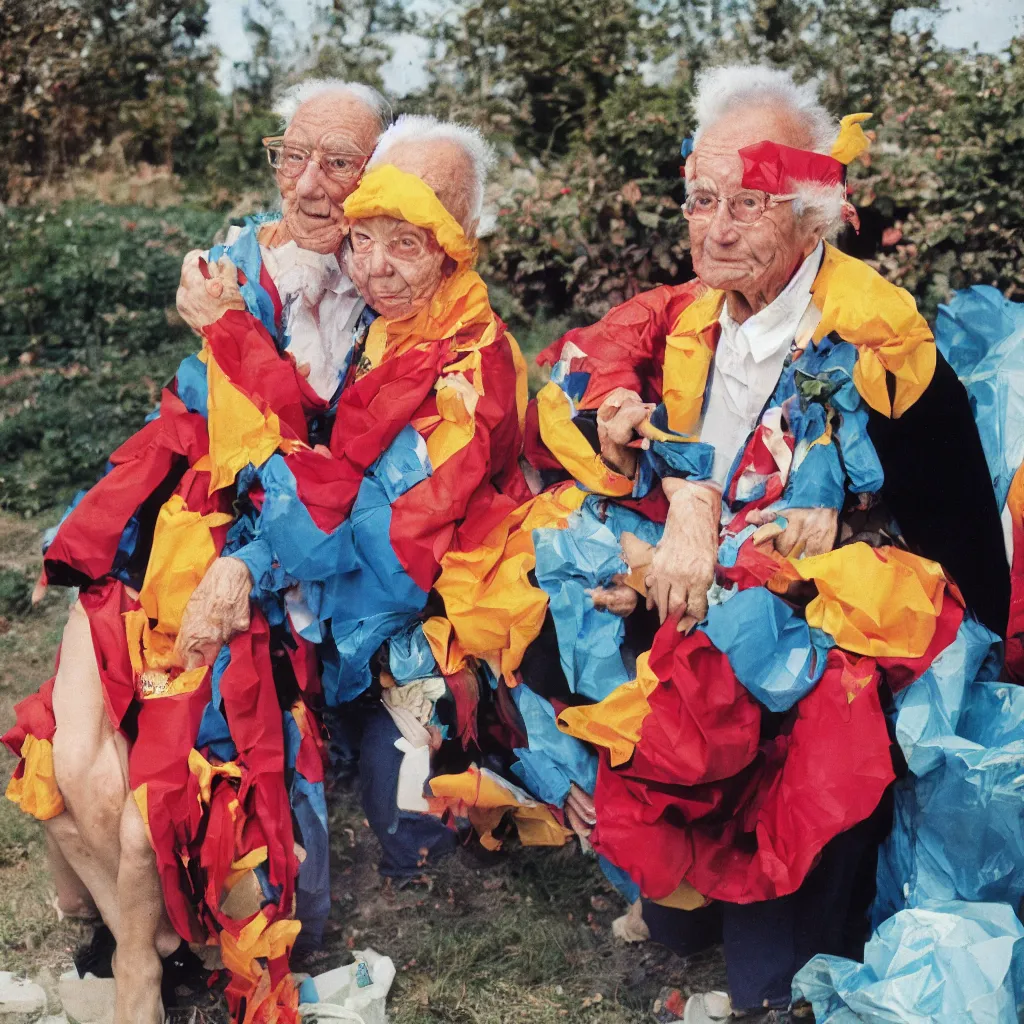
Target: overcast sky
{"points": [[987, 24]]}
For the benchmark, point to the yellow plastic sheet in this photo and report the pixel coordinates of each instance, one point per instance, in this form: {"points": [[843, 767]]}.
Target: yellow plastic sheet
{"points": [[614, 723], [239, 432], [183, 549], [485, 798], [689, 348], [851, 141], [36, 792], [859, 305], [882, 602], [494, 609], [388, 192], [572, 449]]}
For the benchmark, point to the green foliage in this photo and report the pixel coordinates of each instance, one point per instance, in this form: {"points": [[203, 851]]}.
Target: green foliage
{"points": [[88, 335], [15, 592], [76, 75]]}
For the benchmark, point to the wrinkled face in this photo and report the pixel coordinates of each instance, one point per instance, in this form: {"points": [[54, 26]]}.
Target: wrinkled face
{"points": [[312, 202], [756, 259], [396, 266]]}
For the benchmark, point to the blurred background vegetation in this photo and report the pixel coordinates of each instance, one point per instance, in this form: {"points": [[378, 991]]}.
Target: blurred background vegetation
{"points": [[123, 150]]}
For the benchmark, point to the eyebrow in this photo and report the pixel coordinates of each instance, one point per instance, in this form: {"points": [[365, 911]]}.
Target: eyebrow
{"points": [[702, 184]]}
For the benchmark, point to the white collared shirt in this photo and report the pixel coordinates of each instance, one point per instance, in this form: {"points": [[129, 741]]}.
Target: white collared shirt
{"points": [[320, 309], [748, 361]]}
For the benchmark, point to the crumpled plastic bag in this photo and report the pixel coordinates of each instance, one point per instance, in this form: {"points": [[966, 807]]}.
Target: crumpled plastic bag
{"points": [[981, 333], [958, 831], [947, 961], [356, 992]]}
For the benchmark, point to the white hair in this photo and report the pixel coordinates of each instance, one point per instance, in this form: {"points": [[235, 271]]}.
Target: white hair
{"points": [[291, 99], [721, 90], [423, 128]]}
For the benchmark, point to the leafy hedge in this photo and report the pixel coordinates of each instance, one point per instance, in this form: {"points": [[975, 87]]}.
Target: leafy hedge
{"points": [[88, 334]]}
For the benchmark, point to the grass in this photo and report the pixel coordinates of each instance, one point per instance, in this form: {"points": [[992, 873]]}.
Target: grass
{"points": [[528, 939]]}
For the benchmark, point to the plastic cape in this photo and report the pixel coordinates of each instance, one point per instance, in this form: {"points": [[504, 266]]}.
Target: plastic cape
{"points": [[370, 524], [485, 798], [209, 764], [962, 735], [944, 961], [981, 334]]}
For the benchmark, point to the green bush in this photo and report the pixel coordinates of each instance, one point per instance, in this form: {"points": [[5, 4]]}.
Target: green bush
{"points": [[88, 335]]}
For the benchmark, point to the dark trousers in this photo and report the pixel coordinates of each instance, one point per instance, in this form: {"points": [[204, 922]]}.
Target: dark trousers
{"points": [[766, 943], [363, 738]]}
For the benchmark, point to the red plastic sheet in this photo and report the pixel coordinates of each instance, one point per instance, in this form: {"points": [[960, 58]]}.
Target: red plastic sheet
{"points": [[775, 168]]}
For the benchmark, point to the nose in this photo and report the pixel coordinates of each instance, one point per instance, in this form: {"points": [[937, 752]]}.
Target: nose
{"points": [[723, 229], [308, 186], [380, 265]]}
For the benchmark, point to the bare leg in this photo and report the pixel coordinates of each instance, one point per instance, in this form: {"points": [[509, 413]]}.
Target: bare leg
{"points": [[73, 897], [90, 765], [144, 926]]}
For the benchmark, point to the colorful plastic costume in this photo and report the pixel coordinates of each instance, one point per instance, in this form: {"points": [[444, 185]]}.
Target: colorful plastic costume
{"points": [[343, 544], [692, 799]]}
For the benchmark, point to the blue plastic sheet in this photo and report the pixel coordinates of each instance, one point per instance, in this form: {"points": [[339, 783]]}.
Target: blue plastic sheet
{"points": [[981, 334], [245, 253], [958, 830], [552, 759], [410, 656], [586, 554], [772, 650], [944, 963], [350, 576]]}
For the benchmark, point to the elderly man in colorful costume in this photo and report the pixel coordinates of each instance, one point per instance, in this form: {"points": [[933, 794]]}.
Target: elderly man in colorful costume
{"points": [[776, 454], [136, 746]]}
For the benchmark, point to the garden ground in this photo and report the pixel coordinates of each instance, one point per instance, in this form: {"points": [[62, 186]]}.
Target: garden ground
{"points": [[528, 939]]}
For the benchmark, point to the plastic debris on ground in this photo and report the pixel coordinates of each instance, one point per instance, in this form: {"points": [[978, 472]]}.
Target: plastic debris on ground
{"points": [[947, 961], [357, 992]]}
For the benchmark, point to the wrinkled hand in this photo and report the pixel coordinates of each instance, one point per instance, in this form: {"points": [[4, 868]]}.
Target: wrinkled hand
{"points": [[618, 417], [683, 567], [579, 810], [217, 611], [203, 301], [808, 531], [617, 598]]}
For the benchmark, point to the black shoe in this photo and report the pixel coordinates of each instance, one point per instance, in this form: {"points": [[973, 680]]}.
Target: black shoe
{"points": [[182, 968], [97, 956]]}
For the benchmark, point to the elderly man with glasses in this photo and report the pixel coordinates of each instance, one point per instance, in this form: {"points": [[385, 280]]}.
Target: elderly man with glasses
{"points": [[776, 511], [131, 750]]}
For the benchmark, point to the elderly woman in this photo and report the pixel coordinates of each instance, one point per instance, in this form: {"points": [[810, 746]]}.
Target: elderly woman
{"points": [[107, 745], [776, 455], [426, 432]]}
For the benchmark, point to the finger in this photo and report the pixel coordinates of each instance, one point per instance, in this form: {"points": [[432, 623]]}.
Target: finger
{"points": [[214, 288], [662, 592], [785, 541], [697, 603], [686, 623], [764, 534]]}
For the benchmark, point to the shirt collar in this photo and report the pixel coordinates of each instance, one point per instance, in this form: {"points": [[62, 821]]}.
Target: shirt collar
{"points": [[771, 328]]}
